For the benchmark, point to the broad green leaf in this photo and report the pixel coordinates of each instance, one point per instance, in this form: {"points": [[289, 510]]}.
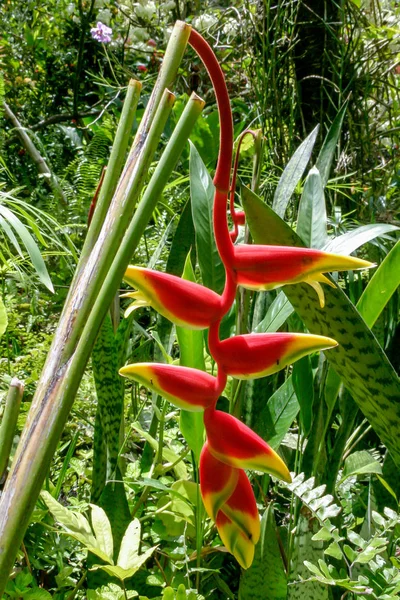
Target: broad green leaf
{"points": [[3, 317], [306, 553], [30, 245], [266, 578], [311, 219], [202, 196], [293, 173], [359, 360], [130, 545], [102, 530], [360, 463], [279, 311], [277, 416], [334, 550], [75, 525], [191, 355], [134, 565], [350, 241], [327, 152], [303, 384], [381, 287]]}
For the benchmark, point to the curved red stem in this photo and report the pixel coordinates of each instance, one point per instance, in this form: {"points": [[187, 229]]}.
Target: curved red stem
{"points": [[223, 170]]}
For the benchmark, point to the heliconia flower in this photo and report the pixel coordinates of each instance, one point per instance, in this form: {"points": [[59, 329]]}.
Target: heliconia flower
{"points": [[187, 388], [241, 508], [256, 355], [236, 445], [260, 267], [235, 541], [185, 303], [217, 481]]}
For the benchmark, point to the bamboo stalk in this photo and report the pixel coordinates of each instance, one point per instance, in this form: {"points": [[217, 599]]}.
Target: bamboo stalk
{"points": [[115, 164], [9, 422], [70, 350]]}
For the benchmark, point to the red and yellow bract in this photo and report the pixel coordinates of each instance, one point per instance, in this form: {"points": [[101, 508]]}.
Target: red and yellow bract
{"points": [[183, 302], [184, 387], [255, 355], [236, 445]]}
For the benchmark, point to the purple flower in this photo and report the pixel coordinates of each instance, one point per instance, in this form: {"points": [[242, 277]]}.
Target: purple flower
{"points": [[101, 33]]}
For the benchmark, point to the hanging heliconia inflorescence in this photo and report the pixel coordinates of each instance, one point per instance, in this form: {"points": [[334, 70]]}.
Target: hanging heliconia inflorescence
{"points": [[231, 446]]}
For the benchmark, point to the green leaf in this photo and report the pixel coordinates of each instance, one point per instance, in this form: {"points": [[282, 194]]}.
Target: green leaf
{"points": [[75, 525], [191, 355], [279, 413], [266, 578], [311, 220], [381, 287], [327, 152], [37, 594], [334, 550], [130, 545], [30, 245], [360, 463], [303, 384], [202, 196], [135, 563], [102, 530], [293, 173], [3, 317], [279, 311], [350, 241], [306, 553], [358, 359]]}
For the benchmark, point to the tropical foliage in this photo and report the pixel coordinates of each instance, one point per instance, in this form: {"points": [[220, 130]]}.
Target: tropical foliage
{"points": [[203, 199]]}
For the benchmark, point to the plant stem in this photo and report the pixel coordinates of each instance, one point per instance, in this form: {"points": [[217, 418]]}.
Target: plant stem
{"points": [[9, 422]]}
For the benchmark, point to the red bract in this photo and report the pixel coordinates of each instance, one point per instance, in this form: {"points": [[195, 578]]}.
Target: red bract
{"points": [[260, 267], [229, 500], [184, 387], [185, 303], [236, 445], [235, 541], [256, 355], [217, 481]]}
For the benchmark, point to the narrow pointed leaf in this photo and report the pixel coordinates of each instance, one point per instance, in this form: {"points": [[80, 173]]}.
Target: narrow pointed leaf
{"points": [[191, 355], [30, 245], [266, 578], [202, 196], [351, 240], [278, 414], [381, 287], [293, 173], [327, 152], [277, 314], [3, 317], [311, 219]]}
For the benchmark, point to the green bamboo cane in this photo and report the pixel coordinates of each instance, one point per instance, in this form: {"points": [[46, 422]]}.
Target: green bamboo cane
{"points": [[53, 416], [9, 422], [65, 365], [114, 166]]}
